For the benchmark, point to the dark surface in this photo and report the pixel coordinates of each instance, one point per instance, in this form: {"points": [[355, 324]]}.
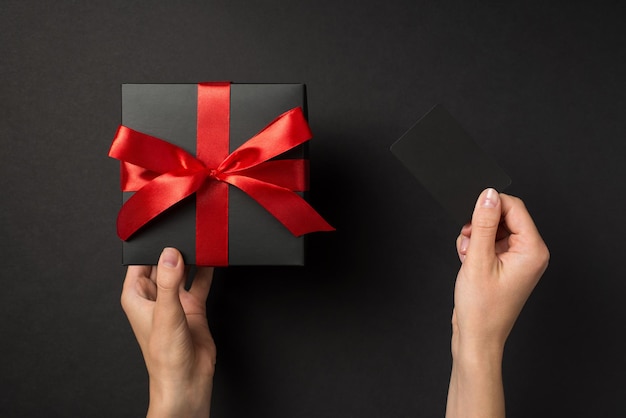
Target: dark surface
{"points": [[363, 329]]}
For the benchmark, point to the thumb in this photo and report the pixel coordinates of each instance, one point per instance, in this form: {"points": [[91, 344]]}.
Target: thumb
{"points": [[485, 222], [168, 310]]}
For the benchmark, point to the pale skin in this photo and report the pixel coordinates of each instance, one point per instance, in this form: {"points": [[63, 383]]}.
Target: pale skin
{"points": [[170, 324], [502, 255]]}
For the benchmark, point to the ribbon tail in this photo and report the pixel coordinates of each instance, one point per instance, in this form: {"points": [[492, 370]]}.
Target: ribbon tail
{"points": [[154, 198], [286, 206]]}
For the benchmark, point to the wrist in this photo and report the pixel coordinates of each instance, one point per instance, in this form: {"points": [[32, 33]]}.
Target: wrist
{"points": [[476, 352], [193, 401], [476, 380]]}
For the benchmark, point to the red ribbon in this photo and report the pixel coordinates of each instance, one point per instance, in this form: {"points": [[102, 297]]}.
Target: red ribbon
{"points": [[163, 174]]}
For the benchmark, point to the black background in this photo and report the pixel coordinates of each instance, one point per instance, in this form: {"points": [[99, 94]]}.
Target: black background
{"points": [[363, 330]]}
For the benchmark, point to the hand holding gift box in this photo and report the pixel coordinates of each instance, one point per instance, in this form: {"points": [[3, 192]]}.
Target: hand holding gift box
{"points": [[164, 175]]}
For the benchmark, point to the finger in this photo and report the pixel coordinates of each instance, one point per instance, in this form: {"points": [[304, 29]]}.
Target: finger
{"points": [[467, 230], [138, 294], [132, 283], [485, 222], [135, 272], [168, 311], [462, 242], [202, 283], [516, 217], [524, 234]]}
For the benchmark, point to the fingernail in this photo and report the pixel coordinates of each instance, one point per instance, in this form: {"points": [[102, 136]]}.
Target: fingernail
{"points": [[169, 258], [464, 244], [491, 199]]}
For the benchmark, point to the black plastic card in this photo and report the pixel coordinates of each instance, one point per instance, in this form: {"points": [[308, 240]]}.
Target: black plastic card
{"points": [[448, 163]]}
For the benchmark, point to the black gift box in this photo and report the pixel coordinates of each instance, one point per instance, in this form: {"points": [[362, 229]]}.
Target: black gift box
{"points": [[169, 112]]}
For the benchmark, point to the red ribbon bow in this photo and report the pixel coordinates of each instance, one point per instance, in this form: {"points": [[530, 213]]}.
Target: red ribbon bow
{"points": [[163, 174]]}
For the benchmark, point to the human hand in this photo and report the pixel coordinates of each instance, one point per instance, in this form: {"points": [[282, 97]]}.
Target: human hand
{"points": [[171, 327], [503, 258]]}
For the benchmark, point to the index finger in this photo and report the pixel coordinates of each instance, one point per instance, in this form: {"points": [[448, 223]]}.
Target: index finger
{"points": [[516, 217], [202, 283], [136, 282], [134, 273], [135, 288]]}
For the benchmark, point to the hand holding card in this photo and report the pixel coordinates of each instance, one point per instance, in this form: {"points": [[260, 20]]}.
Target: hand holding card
{"points": [[448, 163]]}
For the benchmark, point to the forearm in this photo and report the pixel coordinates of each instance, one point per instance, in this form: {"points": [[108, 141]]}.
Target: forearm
{"points": [[476, 384]]}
